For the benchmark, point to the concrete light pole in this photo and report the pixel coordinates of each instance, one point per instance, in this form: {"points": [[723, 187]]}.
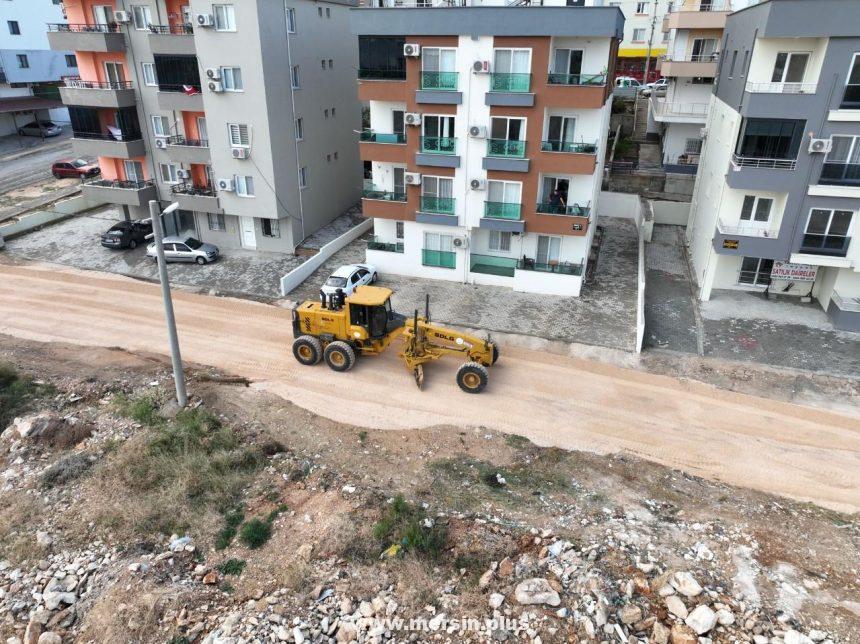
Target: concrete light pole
{"points": [[155, 214]]}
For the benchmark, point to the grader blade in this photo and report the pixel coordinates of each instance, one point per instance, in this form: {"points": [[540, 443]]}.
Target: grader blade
{"points": [[418, 372]]}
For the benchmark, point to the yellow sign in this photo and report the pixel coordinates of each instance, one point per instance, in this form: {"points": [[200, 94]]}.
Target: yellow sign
{"points": [[640, 52], [731, 243]]}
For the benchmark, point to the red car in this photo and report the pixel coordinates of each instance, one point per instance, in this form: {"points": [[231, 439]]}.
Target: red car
{"points": [[78, 168]]}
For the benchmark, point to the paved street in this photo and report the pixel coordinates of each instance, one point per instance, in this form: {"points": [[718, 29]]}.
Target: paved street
{"points": [[18, 170]]}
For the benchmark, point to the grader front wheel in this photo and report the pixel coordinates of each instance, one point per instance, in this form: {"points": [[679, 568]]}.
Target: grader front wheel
{"points": [[472, 377], [307, 349]]}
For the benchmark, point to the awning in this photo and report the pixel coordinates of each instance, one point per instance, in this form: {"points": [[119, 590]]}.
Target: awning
{"points": [[26, 104]]}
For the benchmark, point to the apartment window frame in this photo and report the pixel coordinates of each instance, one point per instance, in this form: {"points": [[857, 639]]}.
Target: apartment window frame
{"points": [[171, 176], [831, 215], [733, 63], [141, 16], [693, 145], [150, 78], [300, 129], [291, 20], [509, 119], [512, 51], [328, 12], [427, 56], [273, 226], [23, 61], [14, 27], [758, 276], [244, 186], [239, 135], [295, 77], [136, 168], [499, 241], [786, 66], [641, 31], [437, 182], [399, 230], [505, 186], [303, 177], [160, 125], [71, 61], [641, 7], [853, 74], [234, 74], [225, 17], [754, 207], [216, 221]]}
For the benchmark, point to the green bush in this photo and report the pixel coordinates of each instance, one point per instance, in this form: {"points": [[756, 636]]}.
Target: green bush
{"points": [[403, 523], [232, 567], [143, 409], [17, 394], [255, 533], [232, 521]]}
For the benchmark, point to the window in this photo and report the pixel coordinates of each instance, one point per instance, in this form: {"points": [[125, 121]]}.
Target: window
{"points": [[216, 222], [693, 146], [148, 70], [842, 164], [294, 76], [640, 7], [71, 60], [23, 61], [328, 158], [744, 64], [503, 192], [291, 20], [319, 11], [548, 249], [133, 170], [789, 67], [500, 241], [330, 63], [559, 134], [225, 17], [438, 68], [231, 79], [507, 128], [328, 12], [437, 187], [567, 61], [398, 230], [303, 177], [851, 97], [168, 172], [333, 112], [438, 250], [827, 232], [160, 125], [325, 112], [755, 271], [770, 138], [300, 129], [239, 135], [141, 17], [244, 185], [734, 60], [512, 61], [704, 50], [323, 63], [271, 227], [14, 27], [639, 35], [756, 209], [381, 57], [438, 132]]}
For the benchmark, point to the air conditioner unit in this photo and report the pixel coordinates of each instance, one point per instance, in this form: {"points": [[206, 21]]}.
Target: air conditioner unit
{"points": [[204, 20], [183, 174], [161, 142], [478, 132], [411, 50], [241, 153], [412, 118], [226, 185], [121, 16], [820, 146], [213, 73], [481, 67], [412, 178], [703, 133], [216, 86], [459, 242], [478, 184]]}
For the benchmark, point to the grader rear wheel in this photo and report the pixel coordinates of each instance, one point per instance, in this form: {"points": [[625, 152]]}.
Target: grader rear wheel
{"points": [[472, 377], [339, 356]]}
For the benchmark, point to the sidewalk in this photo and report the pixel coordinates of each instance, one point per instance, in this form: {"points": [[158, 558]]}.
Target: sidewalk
{"points": [[14, 147]]}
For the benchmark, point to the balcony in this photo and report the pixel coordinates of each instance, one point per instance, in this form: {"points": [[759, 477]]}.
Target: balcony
{"points": [[128, 193], [439, 258], [572, 210], [700, 15], [97, 94], [382, 195], [510, 82], [560, 268], [747, 230], [181, 98], [781, 88], [578, 80], [690, 66], [172, 39], [382, 74], [440, 81], [196, 198], [375, 244], [582, 90], [501, 210], [840, 174], [188, 150], [79, 37], [568, 146], [369, 136], [437, 205], [674, 112], [492, 265], [828, 245], [120, 145], [739, 162], [438, 144], [506, 155]]}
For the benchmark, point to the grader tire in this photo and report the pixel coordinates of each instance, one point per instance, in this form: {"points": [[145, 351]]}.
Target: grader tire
{"points": [[339, 356], [472, 377], [307, 349]]}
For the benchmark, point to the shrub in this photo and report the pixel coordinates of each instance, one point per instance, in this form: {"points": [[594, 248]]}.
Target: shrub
{"points": [[232, 567], [232, 521], [17, 394], [66, 469], [255, 533], [143, 409], [405, 524]]}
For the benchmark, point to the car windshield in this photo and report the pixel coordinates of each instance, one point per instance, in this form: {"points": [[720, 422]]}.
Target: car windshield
{"points": [[79, 163], [193, 244], [338, 282]]}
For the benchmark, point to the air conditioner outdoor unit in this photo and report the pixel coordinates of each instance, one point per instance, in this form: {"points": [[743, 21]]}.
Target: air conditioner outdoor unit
{"points": [[216, 86], [478, 132], [481, 67], [703, 133], [121, 16], [226, 185], [820, 146], [213, 73], [241, 153], [459, 242], [412, 178], [161, 142], [183, 174], [204, 20], [412, 50], [477, 184], [412, 118]]}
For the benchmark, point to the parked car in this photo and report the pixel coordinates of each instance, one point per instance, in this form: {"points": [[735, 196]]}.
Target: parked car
{"points": [[40, 128], [348, 277], [79, 168], [626, 81], [185, 249], [126, 234], [658, 88]]}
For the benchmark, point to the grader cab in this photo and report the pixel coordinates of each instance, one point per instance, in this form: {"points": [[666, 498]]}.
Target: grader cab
{"points": [[339, 329]]}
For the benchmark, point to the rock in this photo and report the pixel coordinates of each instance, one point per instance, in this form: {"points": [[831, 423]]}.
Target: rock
{"points": [[50, 638], [366, 609], [795, 637], [32, 632], [681, 634], [210, 578], [347, 632], [725, 617], [676, 606], [298, 636], [496, 600], [53, 599], [703, 619], [305, 551], [685, 584], [536, 591], [506, 567], [44, 539], [630, 614], [178, 544], [486, 579], [659, 633], [817, 636]]}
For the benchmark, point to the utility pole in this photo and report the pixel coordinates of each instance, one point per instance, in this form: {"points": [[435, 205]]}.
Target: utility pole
{"points": [[155, 214], [650, 41]]}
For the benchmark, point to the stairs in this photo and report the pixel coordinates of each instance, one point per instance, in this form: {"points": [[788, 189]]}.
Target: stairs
{"points": [[640, 118]]}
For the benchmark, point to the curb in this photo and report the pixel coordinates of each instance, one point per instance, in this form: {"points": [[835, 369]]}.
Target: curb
{"points": [[33, 150]]}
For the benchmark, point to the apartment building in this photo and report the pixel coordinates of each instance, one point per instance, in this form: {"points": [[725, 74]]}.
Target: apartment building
{"points": [[643, 32], [778, 191], [29, 70], [243, 113], [484, 148]]}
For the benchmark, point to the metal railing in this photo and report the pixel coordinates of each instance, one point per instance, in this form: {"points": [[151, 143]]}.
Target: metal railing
{"points": [[753, 278], [698, 58], [492, 265], [374, 244], [119, 183], [502, 210], [576, 79], [510, 82], [439, 258], [840, 174], [382, 195], [439, 144], [768, 164], [76, 82], [571, 210], [831, 245], [506, 148], [180, 89], [781, 88], [174, 30], [111, 28], [381, 74], [663, 107], [568, 146], [747, 230], [561, 268], [446, 81], [702, 5], [193, 190], [369, 136], [107, 136], [439, 205], [178, 139]]}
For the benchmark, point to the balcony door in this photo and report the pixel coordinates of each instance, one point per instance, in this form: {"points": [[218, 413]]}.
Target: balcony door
{"points": [[397, 122], [133, 170], [790, 67], [567, 61], [202, 132], [103, 14], [504, 192], [755, 213], [548, 249], [704, 49], [842, 164], [771, 139], [434, 59], [437, 187], [555, 191], [827, 231], [512, 61], [399, 182], [560, 131], [114, 74], [508, 129]]}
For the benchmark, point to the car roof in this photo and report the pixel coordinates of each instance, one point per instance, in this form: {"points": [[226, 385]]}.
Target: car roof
{"points": [[176, 238], [346, 271]]}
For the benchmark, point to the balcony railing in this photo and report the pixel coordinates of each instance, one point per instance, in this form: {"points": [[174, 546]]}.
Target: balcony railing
{"points": [[439, 144], [697, 58], [663, 107], [781, 88], [191, 189], [107, 136], [369, 136], [439, 205], [562, 268], [768, 164], [576, 79], [382, 195], [703, 5], [381, 74], [77, 83], [510, 82], [568, 146], [83, 28], [181, 140], [492, 265], [502, 210], [189, 89], [572, 210], [174, 30], [830, 245], [506, 148], [374, 244], [840, 174], [119, 183], [439, 80], [747, 230], [439, 258]]}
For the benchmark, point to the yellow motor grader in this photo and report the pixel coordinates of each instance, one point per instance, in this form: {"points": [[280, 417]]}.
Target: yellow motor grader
{"points": [[338, 329]]}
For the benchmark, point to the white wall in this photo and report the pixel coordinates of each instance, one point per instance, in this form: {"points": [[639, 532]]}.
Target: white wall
{"points": [[595, 54], [766, 49], [381, 119], [675, 139]]}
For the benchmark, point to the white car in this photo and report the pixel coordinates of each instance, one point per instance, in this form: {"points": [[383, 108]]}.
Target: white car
{"points": [[348, 277], [658, 87]]}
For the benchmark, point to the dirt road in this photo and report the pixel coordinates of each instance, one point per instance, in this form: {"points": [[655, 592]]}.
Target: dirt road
{"points": [[800, 452]]}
